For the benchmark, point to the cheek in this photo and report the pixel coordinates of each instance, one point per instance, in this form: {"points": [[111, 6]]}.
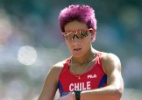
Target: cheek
{"points": [[68, 43], [86, 44], [88, 40]]}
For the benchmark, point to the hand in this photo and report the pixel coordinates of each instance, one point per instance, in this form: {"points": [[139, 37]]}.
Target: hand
{"points": [[70, 96]]}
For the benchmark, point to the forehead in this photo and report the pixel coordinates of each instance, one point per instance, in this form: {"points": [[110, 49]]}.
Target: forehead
{"points": [[75, 25]]}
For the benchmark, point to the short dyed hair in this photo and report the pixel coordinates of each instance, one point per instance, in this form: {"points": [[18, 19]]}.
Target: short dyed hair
{"points": [[81, 13]]}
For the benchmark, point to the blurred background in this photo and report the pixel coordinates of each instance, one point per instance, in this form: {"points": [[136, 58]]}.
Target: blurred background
{"points": [[30, 43]]}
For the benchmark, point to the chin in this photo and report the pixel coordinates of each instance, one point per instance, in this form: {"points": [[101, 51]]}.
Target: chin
{"points": [[77, 55]]}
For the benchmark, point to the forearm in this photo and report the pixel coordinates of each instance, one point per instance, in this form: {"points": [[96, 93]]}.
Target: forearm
{"points": [[105, 93]]}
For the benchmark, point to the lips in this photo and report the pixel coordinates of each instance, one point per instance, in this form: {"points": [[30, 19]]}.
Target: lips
{"points": [[77, 49]]}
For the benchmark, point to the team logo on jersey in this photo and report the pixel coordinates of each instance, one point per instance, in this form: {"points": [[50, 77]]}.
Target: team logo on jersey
{"points": [[92, 76]]}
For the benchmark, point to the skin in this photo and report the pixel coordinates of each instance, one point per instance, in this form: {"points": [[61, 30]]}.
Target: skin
{"points": [[81, 49]]}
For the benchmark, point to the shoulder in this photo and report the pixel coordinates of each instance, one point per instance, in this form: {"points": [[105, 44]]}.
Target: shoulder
{"points": [[110, 61], [109, 57], [56, 69], [58, 66]]}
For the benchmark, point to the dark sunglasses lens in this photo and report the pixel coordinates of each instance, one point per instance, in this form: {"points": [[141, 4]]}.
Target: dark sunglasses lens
{"points": [[84, 34]]}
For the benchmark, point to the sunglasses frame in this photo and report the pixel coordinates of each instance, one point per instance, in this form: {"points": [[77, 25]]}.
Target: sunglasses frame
{"points": [[75, 32]]}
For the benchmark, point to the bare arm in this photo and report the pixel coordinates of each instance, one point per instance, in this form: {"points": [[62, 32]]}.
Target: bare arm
{"points": [[50, 85], [114, 89]]}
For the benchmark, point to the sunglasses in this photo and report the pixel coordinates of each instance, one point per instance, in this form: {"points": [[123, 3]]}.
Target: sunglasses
{"points": [[79, 34]]}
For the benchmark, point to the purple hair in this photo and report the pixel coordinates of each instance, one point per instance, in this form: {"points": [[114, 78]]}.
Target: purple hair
{"points": [[81, 13]]}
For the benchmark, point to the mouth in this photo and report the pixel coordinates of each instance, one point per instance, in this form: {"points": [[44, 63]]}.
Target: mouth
{"points": [[77, 49]]}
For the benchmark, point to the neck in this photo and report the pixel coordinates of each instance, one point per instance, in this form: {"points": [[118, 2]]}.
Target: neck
{"points": [[89, 56]]}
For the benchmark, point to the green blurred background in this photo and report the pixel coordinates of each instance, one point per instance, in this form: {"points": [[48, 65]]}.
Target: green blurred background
{"points": [[33, 25]]}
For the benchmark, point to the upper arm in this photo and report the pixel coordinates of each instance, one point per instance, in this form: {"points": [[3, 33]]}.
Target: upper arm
{"points": [[112, 67], [50, 85]]}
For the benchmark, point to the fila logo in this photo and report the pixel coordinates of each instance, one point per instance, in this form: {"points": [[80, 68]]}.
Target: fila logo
{"points": [[92, 76]]}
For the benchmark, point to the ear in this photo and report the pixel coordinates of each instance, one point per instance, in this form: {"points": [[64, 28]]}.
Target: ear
{"points": [[93, 36]]}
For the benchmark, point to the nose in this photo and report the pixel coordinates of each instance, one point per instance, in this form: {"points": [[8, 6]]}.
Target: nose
{"points": [[75, 36], [75, 39]]}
